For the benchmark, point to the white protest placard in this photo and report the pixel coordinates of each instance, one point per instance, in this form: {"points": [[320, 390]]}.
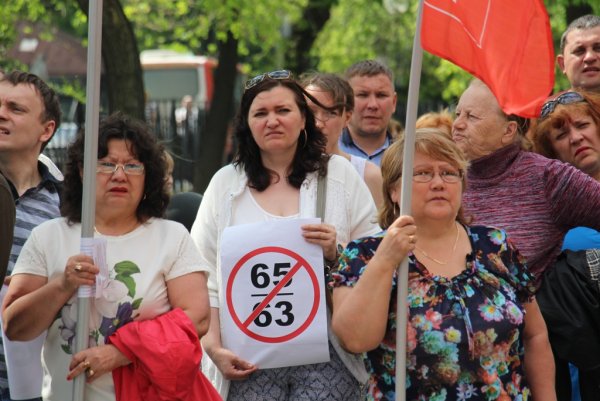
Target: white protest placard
{"points": [[274, 311]]}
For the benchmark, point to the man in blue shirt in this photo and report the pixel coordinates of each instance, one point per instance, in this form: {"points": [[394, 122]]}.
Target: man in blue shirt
{"points": [[367, 133]]}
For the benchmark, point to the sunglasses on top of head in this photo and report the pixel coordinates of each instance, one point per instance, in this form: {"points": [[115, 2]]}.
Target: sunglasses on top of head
{"points": [[565, 98], [279, 74]]}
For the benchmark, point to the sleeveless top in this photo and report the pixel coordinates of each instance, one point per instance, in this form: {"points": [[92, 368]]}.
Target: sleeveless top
{"points": [[359, 164]]}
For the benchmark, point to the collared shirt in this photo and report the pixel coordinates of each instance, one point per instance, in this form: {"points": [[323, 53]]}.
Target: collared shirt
{"points": [[36, 205], [347, 145]]}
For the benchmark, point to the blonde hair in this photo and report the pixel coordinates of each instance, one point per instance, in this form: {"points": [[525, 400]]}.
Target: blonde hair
{"points": [[428, 141], [442, 120]]}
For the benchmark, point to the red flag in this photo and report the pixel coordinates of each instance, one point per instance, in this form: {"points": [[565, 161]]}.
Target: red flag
{"points": [[505, 43]]}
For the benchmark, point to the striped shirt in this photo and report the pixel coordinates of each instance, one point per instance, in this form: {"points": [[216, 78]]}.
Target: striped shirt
{"points": [[35, 206], [535, 199]]}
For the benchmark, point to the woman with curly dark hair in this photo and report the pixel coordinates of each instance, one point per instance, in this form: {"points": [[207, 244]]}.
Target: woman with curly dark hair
{"points": [[150, 279], [275, 176], [140, 142]]}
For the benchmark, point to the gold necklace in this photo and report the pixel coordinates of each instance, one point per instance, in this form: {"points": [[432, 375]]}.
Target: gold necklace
{"points": [[439, 262]]}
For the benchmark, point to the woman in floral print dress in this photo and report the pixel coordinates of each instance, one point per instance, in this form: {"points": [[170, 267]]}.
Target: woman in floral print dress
{"points": [[475, 331]]}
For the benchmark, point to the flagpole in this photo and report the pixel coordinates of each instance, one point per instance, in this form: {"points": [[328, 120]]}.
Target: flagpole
{"points": [[412, 106], [88, 208]]}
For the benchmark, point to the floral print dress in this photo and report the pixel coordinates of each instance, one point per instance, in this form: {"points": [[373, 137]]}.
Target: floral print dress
{"points": [[465, 334]]}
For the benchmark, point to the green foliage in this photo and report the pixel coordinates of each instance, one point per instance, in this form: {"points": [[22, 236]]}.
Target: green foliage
{"points": [[199, 25], [72, 89], [361, 29], [9, 13], [357, 29]]}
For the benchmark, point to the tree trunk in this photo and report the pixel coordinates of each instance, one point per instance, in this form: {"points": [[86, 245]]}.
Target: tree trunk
{"points": [[121, 61], [305, 32], [219, 115]]}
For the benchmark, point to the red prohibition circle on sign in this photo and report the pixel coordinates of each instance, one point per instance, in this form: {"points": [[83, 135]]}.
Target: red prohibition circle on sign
{"points": [[303, 263]]}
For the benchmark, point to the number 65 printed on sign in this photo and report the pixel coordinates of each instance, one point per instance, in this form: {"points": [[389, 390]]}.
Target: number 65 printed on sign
{"points": [[275, 306], [274, 297], [259, 275]]}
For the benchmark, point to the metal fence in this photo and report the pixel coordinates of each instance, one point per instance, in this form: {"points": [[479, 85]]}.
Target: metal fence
{"points": [[178, 129]]}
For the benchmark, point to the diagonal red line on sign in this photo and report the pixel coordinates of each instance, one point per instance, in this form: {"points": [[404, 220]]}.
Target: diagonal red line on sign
{"points": [[272, 294]]}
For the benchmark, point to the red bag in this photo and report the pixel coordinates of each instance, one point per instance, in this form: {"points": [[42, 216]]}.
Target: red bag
{"points": [[165, 355]]}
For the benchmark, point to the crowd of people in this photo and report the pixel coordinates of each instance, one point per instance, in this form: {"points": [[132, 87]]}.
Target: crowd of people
{"points": [[502, 242]]}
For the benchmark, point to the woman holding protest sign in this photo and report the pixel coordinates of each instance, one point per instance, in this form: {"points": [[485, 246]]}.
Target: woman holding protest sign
{"points": [[151, 301], [280, 161], [474, 329]]}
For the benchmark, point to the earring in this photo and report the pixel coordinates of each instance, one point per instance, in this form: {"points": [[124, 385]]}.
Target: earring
{"points": [[396, 214], [305, 138]]}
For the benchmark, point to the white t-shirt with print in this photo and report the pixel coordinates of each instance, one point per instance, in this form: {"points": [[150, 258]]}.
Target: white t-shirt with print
{"points": [[140, 263]]}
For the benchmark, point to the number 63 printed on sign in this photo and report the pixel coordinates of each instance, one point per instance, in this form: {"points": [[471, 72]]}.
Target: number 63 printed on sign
{"points": [[274, 295], [260, 278]]}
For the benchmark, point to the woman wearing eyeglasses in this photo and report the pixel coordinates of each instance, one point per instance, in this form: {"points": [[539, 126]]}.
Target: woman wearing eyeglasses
{"points": [[274, 176], [474, 329], [569, 130], [151, 302], [528, 195], [336, 94]]}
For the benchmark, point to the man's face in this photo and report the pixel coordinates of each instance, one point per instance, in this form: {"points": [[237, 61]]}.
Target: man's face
{"points": [[21, 113], [374, 104], [580, 60]]}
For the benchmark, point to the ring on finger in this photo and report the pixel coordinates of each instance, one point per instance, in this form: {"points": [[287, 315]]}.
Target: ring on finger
{"points": [[411, 239], [78, 269], [90, 372]]}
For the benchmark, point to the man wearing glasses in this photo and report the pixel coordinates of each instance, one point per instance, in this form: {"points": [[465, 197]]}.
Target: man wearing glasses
{"points": [[29, 117]]}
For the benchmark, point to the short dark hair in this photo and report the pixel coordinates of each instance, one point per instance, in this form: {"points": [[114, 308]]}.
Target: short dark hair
{"points": [[310, 153], [369, 68], [49, 97], [340, 90], [588, 21], [143, 145]]}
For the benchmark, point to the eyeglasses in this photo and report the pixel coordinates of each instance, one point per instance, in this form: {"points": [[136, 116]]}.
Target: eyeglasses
{"points": [[111, 168], [324, 115], [448, 176], [279, 74], [565, 98]]}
